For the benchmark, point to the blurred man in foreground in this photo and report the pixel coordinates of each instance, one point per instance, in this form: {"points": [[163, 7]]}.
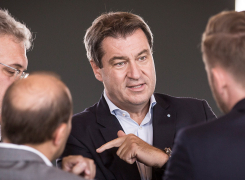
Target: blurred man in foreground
{"points": [[36, 121], [216, 150]]}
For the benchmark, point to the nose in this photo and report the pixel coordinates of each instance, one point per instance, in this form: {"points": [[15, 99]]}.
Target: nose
{"points": [[134, 71]]}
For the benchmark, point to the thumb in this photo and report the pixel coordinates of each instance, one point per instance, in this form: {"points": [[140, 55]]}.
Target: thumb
{"points": [[120, 133]]}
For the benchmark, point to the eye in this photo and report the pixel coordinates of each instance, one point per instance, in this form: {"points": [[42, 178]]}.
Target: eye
{"points": [[8, 71], [142, 58], [119, 64]]}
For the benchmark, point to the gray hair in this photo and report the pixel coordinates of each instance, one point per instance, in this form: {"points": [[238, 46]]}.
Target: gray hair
{"points": [[9, 26]]}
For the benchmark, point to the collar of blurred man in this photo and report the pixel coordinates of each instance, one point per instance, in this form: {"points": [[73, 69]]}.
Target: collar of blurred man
{"points": [[27, 148]]}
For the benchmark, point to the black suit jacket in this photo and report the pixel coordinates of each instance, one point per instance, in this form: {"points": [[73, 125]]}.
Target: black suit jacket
{"points": [[212, 151], [96, 125]]}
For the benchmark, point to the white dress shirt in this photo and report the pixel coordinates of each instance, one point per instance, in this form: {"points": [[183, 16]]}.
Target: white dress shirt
{"points": [[143, 131]]}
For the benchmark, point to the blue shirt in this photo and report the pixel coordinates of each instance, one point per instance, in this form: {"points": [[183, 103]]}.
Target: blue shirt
{"points": [[143, 131]]}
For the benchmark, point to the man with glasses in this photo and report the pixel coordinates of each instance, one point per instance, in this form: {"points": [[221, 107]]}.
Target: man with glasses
{"points": [[15, 40], [15, 72]]}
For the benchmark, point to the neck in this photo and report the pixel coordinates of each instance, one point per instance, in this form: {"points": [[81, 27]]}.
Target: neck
{"points": [[236, 94], [139, 114], [136, 112], [45, 149]]}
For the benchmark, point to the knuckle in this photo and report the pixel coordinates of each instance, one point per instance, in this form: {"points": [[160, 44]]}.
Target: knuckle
{"points": [[69, 157], [91, 161], [133, 145], [132, 137], [130, 162]]}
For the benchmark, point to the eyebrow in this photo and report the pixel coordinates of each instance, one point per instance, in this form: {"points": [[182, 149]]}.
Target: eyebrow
{"points": [[126, 58], [118, 57], [142, 52], [17, 66]]}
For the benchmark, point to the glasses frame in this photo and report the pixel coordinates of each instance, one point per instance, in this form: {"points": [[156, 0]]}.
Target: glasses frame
{"points": [[17, 72]]}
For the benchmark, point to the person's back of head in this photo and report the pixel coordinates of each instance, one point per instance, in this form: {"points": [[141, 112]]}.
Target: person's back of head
{"points": [[223, 43], [36, 110], [223, 46]]}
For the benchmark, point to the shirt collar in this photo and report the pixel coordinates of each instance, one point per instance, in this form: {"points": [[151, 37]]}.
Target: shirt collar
{"points": [[113, 107], [27, 148]]}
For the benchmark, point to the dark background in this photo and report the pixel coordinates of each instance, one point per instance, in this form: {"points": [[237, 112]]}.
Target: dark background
{"points": [[177, 25]]}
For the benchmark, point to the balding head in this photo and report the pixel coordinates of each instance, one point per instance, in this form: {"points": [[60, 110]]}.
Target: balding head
{"points": [[33, 108]]}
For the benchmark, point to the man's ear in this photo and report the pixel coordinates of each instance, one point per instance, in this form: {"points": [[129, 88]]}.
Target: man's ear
{"points": [[60, 134], [219, 80], [96, 70]]}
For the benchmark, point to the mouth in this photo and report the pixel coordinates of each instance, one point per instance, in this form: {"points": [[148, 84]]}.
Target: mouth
{"points": [[137, 87]]}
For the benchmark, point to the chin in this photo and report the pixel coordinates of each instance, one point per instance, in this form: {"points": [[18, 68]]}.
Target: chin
{"points": [[139, 101]]}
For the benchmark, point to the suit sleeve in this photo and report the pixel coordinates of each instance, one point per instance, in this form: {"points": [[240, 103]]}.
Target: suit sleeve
{"points": [[74, 147], [208, 111], [179, 165]]}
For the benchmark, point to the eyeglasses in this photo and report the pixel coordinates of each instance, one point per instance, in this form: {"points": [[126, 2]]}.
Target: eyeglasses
{"points": [[16, 73]]}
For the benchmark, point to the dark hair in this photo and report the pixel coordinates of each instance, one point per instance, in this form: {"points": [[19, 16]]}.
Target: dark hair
{"points": [[113, 24], [34, 125], [10, 26], [223, 42]]}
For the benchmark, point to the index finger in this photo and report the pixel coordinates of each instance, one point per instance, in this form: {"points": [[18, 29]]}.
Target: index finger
{"points": [[113, 143]]}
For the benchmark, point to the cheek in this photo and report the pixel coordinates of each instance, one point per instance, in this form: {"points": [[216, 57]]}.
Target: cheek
{"points": [[4, 84], [3, 88], [210, 81], [116, 77], [150, 73]]}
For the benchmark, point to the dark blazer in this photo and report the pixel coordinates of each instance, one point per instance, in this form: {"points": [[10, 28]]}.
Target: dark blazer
{"points": [[211, 151], [96, 125], [16, 164]]}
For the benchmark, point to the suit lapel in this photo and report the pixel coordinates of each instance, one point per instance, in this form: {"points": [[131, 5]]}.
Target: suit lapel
{"points": [[164, 129], [163, 124], [109, 128], [110, 125]]}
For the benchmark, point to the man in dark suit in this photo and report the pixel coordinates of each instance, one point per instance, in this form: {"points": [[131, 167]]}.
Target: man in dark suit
{"points": [[215, 150], [36, 122], [119, 48]]}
